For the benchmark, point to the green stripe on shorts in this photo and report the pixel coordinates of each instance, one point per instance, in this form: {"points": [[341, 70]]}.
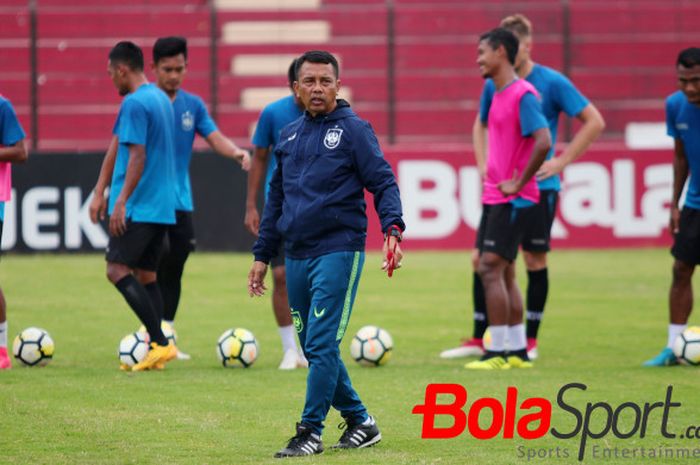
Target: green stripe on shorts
{"points": [[348, 298]]}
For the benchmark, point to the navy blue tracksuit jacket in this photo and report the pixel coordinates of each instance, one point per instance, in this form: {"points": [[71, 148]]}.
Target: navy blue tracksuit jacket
{"points": [[316, 198]]}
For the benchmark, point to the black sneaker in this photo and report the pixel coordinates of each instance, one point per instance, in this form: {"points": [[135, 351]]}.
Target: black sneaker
{"points": [[305, 442], [358, 436]]}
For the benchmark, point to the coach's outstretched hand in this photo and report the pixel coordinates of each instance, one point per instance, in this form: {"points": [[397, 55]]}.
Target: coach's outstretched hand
{"points": [[256, 279], [392, 255]]}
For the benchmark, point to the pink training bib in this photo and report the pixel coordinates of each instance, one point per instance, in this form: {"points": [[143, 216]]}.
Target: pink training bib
{"points": [[508, 151]]}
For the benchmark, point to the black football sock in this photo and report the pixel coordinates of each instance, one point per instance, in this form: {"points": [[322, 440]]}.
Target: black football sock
{"points": [[169, 279], [479, 299], [537, 289], [522, 353], [136, 296], [153, 290], [489, 354]]}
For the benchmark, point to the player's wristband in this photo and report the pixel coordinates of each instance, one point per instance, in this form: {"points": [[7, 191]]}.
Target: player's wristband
{"points": [[394, 231]]}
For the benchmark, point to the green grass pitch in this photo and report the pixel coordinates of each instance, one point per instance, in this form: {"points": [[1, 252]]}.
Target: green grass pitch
{"points": [[606, 313]]}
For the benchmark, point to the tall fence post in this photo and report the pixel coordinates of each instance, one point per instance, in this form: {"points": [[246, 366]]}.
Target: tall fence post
{"points": [[391, 71], [566, 53], [34, 76], [213, 59]]}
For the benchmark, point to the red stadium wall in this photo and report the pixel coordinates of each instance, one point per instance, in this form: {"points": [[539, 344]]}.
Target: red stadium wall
{"points": [[619, 53], [613, 197]]}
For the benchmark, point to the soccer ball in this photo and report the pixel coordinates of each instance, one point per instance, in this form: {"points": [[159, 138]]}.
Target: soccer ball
{"points": [[687, 346], [33, 347], [371, 346], [168, 331], [133, 348], [237, 348]]}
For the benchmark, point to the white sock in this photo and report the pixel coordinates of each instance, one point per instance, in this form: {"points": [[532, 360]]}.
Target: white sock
{"points": [[368, 421], [170, 322], [673, 332], [498, 338], [3, 334], [288, 336], [516, 337]]}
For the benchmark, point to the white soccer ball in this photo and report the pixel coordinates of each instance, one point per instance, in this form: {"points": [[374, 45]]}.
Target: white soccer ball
{"points": [[371, 346], [133, 348], [237, 348], [687, 346], [33, 347], [168, 331]]}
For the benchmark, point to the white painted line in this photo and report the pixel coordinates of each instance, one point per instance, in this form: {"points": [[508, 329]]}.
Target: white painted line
{"points": [[276, 32], [249, 5], [261, 65], [647, 136]]}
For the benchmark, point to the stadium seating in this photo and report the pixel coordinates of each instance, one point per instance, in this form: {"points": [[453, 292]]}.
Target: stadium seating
{"points": [[620, 54]]}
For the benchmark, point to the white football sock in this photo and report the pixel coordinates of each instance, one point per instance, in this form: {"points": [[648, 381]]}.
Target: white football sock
{"points": [[498, 338], [516, 337], [673, 332], [288, 336], [368, 421], [170, 322], [3, 334]]}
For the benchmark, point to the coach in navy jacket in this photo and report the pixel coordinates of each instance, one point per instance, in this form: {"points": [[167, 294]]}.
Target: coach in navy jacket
{"points": [[316, 200], [326, 159]]}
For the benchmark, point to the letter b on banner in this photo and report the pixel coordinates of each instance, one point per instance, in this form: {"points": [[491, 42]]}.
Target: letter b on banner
{"points": [[430, 409], [429, 187]]}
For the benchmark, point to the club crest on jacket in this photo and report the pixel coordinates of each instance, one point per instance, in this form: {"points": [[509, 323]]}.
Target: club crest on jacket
{"points": [[332, 138]]}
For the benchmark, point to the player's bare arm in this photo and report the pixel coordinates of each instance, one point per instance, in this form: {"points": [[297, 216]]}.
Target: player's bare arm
{"points": [[16, 153], [258, 168], [680, 175], [479, 138], [98, 204], [593, 126], [134, 170], [543, 142], [227, 148]]}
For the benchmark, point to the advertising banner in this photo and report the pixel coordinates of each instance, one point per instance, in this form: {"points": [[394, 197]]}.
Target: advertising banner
{"points": [[610, 198]]}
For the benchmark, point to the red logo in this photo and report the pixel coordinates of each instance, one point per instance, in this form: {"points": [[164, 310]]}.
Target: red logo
{"points": [[531, 418]]}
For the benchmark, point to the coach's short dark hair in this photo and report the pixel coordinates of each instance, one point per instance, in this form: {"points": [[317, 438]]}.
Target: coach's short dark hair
{"points": [[166, 47], [127, 53], [689, 57], [501, 36], [292, 73], [317, 56]]}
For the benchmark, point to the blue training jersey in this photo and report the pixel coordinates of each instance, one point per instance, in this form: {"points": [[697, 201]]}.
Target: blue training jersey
{"points": [[683, 122], [146, 118], [273, 118], [531, 120], [558, 95], [11, 132], [191, 116]]}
